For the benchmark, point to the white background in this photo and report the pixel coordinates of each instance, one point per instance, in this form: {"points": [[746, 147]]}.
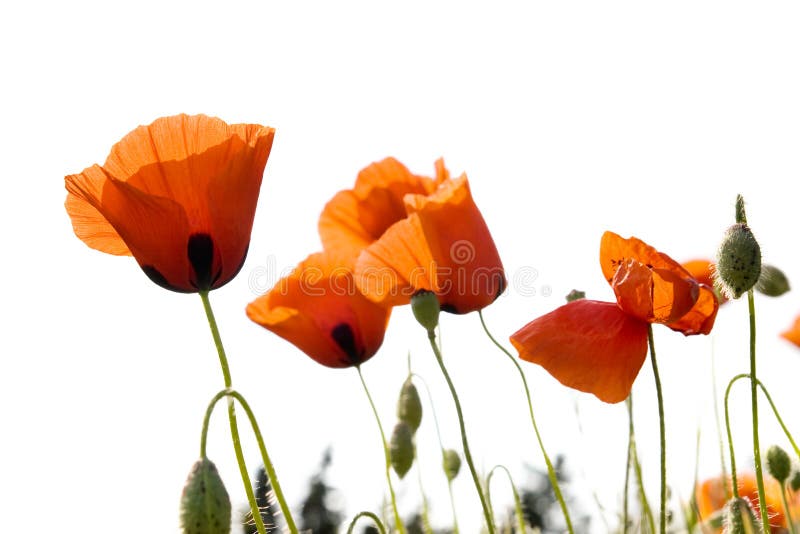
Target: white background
{"points": [[570, 118]]}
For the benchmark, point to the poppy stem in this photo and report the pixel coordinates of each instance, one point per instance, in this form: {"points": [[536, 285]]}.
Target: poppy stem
{"points": [[398, 522], [426, 522], [487, 514], [441, 446], [662, 432], [716, 420], [551, 472], [637, 467], [517, 503], [762, 503], [237, 445], [372, 516], [789, 520], [734, 481]]}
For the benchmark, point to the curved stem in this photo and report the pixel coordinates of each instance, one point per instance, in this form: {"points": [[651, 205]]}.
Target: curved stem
{"points": [[734, 481], [789, 520], [551, 472], [778, 417], [398, 522], [237, 446], [441, 446], [372, 516], [662, 432], [487, 514], [762, 502], [637, 469], [517, 503]]}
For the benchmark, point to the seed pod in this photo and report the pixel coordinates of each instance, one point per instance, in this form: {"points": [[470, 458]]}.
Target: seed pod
{"points": [[401, 449], [739, 518], [426, 307], [738, 261], [205, 505], [451, 464], [409, 407], [779, 464], [772, 282]]}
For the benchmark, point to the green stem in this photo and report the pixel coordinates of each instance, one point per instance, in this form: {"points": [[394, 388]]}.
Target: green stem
{"points": [[716, 421], [271, 474], [762, 502], [398, 522], [237, 446], [734, 481], [551, 472], [786, 507], [637, 469], [426, 524], [662, 432], [441, 446], [778, 417], [517, 503], [476, 480], [627, 468], [372, 516]]}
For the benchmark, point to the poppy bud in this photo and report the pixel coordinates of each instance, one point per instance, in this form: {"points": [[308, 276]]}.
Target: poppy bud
{"points": [[778, 464], [739, 517], [409, 407], [426, 307], [738, 261], [772, 282], [575, 295], [401, 449], [794, 483], [205, 505], [451, 463]]}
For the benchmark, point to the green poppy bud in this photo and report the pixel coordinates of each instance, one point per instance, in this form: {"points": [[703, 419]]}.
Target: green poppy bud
{"points": [[426, 307], [401, 449], [772, 282], [794, 483], [739, 518], [409, 407], [575, 295], [779, 464], [738, 261], [451, 464], [205, 505]]}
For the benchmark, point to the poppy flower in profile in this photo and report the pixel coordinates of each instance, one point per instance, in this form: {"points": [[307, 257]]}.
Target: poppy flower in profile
{"points": [[702, 270], [599, 347], [711, 497], [318, 309], [408, 233], [179, 195], [793, 333]]}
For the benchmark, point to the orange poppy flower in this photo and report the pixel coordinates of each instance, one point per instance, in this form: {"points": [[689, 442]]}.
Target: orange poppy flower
{"points": [[711, 497], [179, 195], [793, 333], [318, 309], [703, 271], [408, 233], [599, 347]]}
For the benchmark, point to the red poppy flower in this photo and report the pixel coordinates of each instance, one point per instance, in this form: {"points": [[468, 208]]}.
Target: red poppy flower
{"points": [[703, 271], [793, 333], [179, 195], [319, 310], [711, 497], [407, 233], [599, 347]]}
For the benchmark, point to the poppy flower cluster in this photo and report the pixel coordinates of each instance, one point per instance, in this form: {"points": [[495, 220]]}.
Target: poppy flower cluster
{"points": [[390, 236], [599, 347], [179, 195]]}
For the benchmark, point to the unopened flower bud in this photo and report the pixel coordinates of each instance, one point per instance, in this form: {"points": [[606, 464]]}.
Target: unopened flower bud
{"points": [[205, 505], [451, 464], [409, 407], [575, 295], [401, 449], [779, 464], [426, 307], [738, 261], [739, 518], [794, 483], [772, 282]]}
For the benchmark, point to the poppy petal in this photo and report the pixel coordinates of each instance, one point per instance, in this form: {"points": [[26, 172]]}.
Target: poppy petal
{"points": [[393, 268], [793, 334], [320, 311], [653, 295], [700, 319], [615, 251], [587, 345], [92, 228], [470, 273]]}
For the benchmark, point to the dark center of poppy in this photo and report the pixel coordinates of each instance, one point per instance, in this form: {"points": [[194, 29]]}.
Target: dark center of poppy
{"points": [[200, 250], [343, 335]]}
